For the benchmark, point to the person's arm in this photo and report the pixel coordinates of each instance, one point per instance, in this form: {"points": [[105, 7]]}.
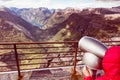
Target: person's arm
{"points": [[86, 73]]}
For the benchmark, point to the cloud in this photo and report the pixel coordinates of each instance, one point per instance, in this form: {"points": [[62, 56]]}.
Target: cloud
{"points": [[5, 0], [97, 4], [59, 3], [107, 3], [107, 0], [25, 3]]}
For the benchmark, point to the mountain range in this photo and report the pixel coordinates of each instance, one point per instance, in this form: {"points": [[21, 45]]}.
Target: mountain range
{"points": [[43, 24]]}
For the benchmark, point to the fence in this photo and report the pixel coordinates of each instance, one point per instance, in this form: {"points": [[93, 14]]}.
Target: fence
{"points": [[40, 55]]}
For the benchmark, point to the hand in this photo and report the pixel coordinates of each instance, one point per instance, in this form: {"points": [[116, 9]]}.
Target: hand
{"points": [[86, 71]]}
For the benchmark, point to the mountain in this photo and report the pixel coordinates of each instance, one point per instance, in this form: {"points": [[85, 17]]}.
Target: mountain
{"points": [[103, 11], [59, 16], [44, 18], [118, 7], [69, 23], [35, 16], [79, 24], [12, 25], [10, 29]]}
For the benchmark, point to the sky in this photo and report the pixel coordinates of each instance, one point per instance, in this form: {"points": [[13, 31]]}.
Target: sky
{"points": [[61, 4]]}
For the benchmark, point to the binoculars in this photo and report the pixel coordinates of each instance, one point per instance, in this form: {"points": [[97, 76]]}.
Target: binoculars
{"points": [[94, 51]]}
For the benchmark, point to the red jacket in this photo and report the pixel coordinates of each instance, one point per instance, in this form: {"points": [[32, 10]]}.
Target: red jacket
{"points": [[111, 65]]}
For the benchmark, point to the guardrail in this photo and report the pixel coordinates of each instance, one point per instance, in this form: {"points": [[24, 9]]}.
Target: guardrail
{"points": [[37, 55], [26, 56]]}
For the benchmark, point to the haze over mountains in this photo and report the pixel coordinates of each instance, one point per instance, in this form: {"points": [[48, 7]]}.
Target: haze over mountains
{"points": [[43, 24]]}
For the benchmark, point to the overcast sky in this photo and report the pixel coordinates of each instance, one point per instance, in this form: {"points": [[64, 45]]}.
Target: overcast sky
{"points": [[59, 3]]}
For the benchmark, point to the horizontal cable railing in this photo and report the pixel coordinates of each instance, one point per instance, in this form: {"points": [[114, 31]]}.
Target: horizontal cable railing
{"points": [[39, 55]]}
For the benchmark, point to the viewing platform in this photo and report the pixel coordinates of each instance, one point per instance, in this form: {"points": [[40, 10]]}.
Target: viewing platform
{"points": [[41, 60]]}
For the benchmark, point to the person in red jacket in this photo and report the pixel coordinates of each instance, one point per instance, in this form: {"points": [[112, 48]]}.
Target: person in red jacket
{"points": [[110, 63]]}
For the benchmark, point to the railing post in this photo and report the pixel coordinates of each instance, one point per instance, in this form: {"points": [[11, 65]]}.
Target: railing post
{"points": [[74, 77], [75, 57], [17, 62]]}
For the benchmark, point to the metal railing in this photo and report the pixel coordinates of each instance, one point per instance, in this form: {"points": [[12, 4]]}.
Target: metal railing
{"points": [[38, 55], [27, 56]]}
